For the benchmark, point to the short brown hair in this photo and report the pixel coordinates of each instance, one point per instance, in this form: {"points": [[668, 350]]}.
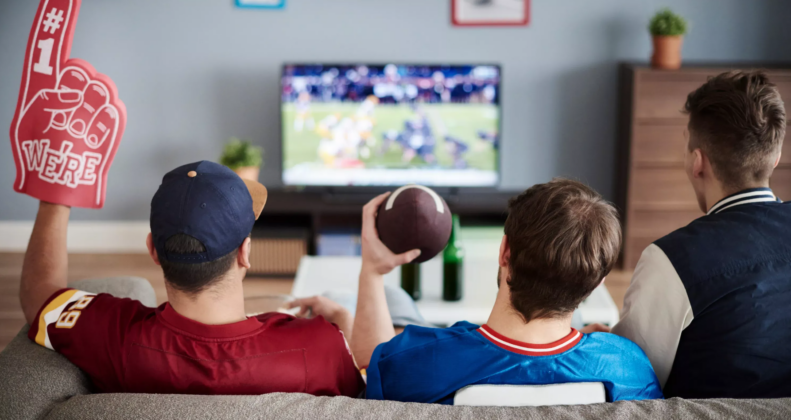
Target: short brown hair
{"points": [[738, 120], [193, 278], [564, 238]]}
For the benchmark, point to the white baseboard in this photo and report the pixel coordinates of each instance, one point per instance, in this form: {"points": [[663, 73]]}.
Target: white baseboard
{"points": [[84, 237]]}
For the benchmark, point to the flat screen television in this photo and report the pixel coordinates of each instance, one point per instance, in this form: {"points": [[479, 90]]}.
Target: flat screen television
{"points": [[393, 124]]}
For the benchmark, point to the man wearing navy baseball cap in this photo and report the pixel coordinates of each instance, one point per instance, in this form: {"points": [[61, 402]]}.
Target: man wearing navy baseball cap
{"points": [[200, 341]]}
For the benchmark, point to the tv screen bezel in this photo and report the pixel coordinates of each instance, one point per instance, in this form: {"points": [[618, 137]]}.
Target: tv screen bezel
{"points": [[498, 160]]}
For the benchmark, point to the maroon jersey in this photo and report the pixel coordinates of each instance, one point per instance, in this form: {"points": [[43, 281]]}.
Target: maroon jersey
{"points": [[125, 346]]}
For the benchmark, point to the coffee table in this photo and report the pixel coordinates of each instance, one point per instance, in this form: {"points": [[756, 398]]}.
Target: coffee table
{"points": [[317, 275]]}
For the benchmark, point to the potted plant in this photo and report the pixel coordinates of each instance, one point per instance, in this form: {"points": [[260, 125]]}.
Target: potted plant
{"points": [[667, 30], [243, 158]]}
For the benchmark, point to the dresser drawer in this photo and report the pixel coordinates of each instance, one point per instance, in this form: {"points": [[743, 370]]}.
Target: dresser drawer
{"points": [[781, 183], [656, 224], [786, 156], [663, 95], [661, 189], [659, 144], [633, 248], [646, 226]]}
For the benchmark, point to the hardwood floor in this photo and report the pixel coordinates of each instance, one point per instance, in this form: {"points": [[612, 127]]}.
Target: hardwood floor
{"points": [[83, 266]]}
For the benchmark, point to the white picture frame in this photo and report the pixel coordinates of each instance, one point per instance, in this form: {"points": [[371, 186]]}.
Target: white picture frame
{"points": [[490, 12]]}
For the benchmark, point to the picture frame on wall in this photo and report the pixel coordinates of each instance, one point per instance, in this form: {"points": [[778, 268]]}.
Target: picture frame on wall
{"points": [[261, 4], [490, 12]]}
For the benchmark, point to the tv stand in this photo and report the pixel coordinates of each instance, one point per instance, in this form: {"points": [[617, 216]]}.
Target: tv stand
{"points": [[317, 209], [294, 218]]}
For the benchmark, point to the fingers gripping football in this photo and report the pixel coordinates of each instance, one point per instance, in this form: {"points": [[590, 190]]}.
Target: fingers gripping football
{"points": [[376, 255]]}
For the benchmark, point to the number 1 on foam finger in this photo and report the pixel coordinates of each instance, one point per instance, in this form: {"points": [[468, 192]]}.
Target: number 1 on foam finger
{"points": [[42, 66], [50, 25]]}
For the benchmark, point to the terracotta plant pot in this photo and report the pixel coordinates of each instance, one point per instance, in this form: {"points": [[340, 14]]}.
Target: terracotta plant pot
{"points": [[248, 172], [667, 52]]}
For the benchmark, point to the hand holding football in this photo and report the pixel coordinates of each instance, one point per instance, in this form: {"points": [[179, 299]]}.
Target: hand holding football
{"points": [[414, 217]]}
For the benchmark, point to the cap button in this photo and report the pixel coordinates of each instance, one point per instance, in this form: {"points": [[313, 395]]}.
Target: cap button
{"points": [[192, 174]]}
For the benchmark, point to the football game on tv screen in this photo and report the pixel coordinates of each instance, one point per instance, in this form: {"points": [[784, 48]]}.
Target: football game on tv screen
{"points": [[394, 124]]}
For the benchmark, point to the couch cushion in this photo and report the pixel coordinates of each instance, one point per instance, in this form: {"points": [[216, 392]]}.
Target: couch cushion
{"points": [[298, 406], [34, 379]]}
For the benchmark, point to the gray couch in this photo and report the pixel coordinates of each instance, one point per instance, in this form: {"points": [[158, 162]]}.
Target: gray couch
{"points": [[39, 383]]}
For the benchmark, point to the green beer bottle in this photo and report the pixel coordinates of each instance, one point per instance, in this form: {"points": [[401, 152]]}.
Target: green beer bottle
{"points": [[410, 279], [453, 265]]}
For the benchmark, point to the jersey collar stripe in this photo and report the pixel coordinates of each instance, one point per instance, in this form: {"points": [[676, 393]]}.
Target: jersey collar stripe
{"points": [[754, 200], [505, 339], [576, 336], [767, 193]]}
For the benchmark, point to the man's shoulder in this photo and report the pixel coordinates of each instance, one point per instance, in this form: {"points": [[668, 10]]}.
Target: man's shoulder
{"points": [[87, 304], [288, 322], [611, 344], [416, 338], [736, 237], [308, 332], [730, 225], [699, 230], [624, 358]]}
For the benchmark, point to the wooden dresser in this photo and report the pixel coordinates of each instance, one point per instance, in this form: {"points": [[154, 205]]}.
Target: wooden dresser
{"points": [[655, 196]]}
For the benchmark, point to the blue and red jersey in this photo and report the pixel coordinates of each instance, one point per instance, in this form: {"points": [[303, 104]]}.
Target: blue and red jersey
{"points": [[430, 364]]}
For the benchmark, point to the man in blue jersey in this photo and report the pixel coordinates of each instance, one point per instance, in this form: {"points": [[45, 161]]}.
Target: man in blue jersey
{"points": [[709, 303], [561, 239]]}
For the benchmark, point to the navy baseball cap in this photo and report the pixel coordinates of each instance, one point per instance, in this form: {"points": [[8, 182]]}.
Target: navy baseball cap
{"points": [[209, 202]]}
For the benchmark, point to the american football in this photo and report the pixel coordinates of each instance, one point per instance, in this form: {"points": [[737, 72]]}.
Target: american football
{"points": [[414, 217]]}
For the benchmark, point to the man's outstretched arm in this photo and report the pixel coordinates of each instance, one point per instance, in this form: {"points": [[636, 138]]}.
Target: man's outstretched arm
{"points": [[45, 268], [372, 322]]}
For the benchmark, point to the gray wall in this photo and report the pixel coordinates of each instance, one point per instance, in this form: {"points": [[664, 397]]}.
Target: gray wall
{"points": [[194, 72]]}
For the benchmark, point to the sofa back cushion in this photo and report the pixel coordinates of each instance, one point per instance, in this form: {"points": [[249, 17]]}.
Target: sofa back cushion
{"points": [[531, 395], [303, 406]]}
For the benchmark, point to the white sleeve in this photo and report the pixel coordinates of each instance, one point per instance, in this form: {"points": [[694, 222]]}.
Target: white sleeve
{"points": [[656, 310]]}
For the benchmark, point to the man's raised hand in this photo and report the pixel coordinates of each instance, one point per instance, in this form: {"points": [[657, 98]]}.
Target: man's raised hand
{"points": [[69, 120], [377, 257]]}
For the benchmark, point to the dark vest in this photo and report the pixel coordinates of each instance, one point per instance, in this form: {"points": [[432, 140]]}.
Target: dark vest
{"points": [[735, 264]]}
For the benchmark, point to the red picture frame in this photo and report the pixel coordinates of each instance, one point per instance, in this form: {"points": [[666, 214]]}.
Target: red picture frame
{"points": [[456, 22]]}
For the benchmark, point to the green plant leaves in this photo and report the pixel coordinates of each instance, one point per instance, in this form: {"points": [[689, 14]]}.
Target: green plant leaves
{"points": [[667, 23], [240, 153]]}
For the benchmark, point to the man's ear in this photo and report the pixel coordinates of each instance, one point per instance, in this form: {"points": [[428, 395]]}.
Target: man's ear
{"points": [[243, 257], [777, 161], [505, 252], [698, 164], [151, 250]]}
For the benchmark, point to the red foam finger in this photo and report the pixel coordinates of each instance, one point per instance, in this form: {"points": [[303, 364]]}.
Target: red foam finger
{"points": [[70, 78], [52, 163], [48, 47], [94, 97], [102, 126], [55, 100]]}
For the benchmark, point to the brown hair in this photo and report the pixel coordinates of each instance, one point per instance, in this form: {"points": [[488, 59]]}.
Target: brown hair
{"points": [[738, 120], [193, 278], [564, 238]]}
